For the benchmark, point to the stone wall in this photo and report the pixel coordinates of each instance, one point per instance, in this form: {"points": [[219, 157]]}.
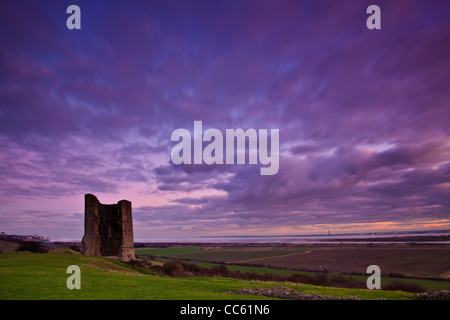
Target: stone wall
{"points": [[108, 229]]}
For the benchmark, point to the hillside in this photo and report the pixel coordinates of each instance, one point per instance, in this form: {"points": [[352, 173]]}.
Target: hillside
{"points": [[8, 246], [43, 276]]}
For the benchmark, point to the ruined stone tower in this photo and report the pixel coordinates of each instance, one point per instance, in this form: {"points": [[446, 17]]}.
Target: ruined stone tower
{"points": [[108, 229]]}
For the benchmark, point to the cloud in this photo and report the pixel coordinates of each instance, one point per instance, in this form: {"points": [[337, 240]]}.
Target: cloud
{"points": [[344, 187], [363, 116]]}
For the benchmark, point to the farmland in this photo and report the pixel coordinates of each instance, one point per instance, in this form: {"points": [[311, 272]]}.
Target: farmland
{"points": [[426, 261], [398, 261], [225, 255]]}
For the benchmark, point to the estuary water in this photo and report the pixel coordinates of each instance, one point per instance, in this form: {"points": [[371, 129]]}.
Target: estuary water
{"points": [[294, 239]]}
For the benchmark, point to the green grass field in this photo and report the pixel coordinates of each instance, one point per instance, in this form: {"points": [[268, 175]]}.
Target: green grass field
{"points": [[43, 276]]}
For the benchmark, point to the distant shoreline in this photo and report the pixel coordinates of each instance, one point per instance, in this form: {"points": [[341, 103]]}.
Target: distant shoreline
{"points": [[440, 238], [436, 236]]}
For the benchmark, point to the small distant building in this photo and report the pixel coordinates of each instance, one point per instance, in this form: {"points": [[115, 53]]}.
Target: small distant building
{"points": [[23, 237]]}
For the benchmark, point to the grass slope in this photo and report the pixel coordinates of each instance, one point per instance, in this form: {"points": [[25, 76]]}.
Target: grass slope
{"points": [[43, 276]]}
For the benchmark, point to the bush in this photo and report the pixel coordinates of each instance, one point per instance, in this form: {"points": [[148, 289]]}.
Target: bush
{"points": [[272, 277], [173, 268], [191, 267], [403, 286], [342, 281], [220, 269], [330, 280], [76, 248], [32, 246], [298, 278], [319, 279], [396, 275], [181, 269], [140, 264]]}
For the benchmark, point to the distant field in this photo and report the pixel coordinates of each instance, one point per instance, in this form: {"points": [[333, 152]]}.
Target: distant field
{"points": [[43, 277], [167, 251], [429, 285], [241, 268], [405, 260], [423, 261], [225, 255]]}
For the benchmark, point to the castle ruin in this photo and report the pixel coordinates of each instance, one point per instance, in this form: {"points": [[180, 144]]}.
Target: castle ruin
{"points": [[108, 229]]}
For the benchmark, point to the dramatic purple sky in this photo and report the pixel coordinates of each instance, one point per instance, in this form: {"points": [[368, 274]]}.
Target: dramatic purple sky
{"points": [[364, 115]]}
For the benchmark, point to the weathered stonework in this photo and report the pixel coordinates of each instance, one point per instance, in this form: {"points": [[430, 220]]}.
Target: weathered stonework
{"points": [[108, 229]]}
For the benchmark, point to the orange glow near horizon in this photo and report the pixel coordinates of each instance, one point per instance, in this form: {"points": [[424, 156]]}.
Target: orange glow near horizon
{"points": [[335, 229], [385, 226]]}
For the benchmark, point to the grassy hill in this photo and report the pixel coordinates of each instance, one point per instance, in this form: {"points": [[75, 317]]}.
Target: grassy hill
{"points": [[43, 276]]}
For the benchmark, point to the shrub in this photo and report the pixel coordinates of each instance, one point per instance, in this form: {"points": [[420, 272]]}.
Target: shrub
{"points": [[158, 269], [403, 286], [220, 269], [396, 275], [342, 281], [298, 278], [319, 279], [181, 269], [140, 264], [191, 267], [173, 268], [250, 276], [272, 277], [32, 246], [76, 248]]}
